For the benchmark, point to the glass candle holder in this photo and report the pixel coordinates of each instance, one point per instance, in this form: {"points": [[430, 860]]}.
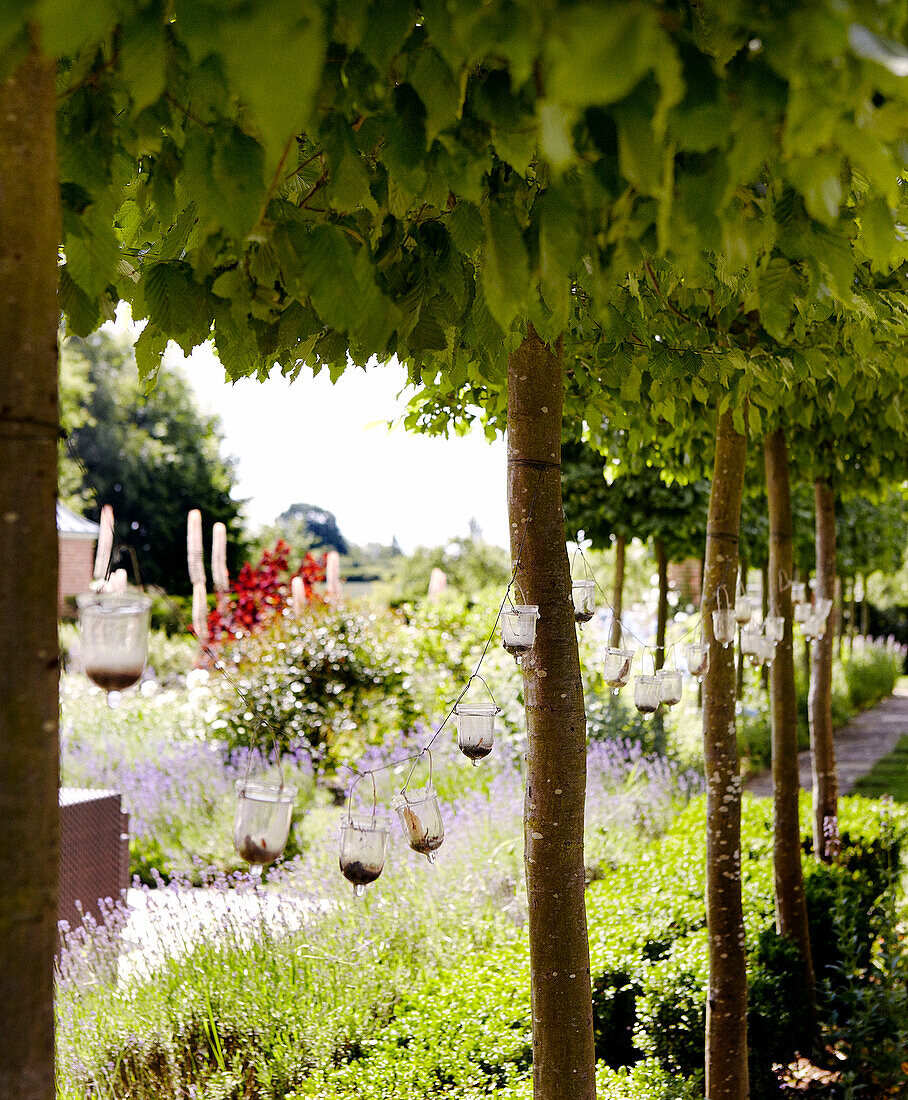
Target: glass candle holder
{"points": [[822, 607], [802, 612], [617, 668], [518, 628], [798, 591], [774, 628], [262, 821], [724, 626], [670, 679], [647, 694], [697, 656], [766, 650], [363, 848], [583, 593], [475, 729], [114, 638], [743, 610], [750, 642], [420, 817]]}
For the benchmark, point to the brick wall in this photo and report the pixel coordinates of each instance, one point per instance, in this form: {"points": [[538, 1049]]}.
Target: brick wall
{"points": [[77, 562]]}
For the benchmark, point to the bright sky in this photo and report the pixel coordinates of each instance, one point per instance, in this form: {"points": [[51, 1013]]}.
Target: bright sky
{"points": [[329, 445]]}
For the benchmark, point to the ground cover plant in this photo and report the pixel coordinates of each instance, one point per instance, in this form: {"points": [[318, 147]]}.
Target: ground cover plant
{"points": [[420, 989]]}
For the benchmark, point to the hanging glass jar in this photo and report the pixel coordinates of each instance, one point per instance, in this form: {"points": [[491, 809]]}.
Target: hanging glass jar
{"points": [[724, 623], [114, 638], [743, 609], [647, 694], [750, 643], [583, 593], [420, 816], [617, 668], [671, 686], [261, 824], [476, 726], [802, 612], [363, 843], [766, 650], [822, 607], [518, 629], [798, 591], [774, 628], [697, 656]]}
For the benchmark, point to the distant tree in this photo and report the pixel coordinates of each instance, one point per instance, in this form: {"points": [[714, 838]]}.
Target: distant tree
{"points": [[303, 527], [152, 457], [470, 566]]}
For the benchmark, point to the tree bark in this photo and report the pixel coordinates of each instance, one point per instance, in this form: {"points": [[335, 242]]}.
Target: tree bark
{"points": [[726, 1006], [819, 701], [563, 1054], [29, 768], [837, 615], [764, 600], [852, 614], [661, 621], [618, 591], [791, 906]]}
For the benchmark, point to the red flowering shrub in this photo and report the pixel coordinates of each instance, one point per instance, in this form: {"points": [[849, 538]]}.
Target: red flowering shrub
{"points": [[259, 594]]}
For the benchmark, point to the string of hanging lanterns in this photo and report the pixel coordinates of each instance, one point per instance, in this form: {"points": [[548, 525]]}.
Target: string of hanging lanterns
{"points": [[114, 627]]}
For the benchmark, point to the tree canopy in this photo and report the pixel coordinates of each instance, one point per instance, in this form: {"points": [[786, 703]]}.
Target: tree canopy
{"points": [[152, 457]]}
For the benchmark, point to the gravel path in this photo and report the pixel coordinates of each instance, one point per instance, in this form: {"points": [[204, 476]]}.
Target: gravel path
{"points": [[858, 745]]}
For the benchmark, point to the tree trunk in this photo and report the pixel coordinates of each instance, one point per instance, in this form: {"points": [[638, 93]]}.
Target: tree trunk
{"points": [[661, 621], [726, 1006], [791, 906], [764, 601], [618, 592], [852, 615], [837, 615], [563, 1058], [29, 767], [819, 701], [865, 608]]}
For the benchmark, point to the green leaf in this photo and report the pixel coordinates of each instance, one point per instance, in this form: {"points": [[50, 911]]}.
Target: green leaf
{"points": [[83, 313], [149, 348], [819, 179], [273, 54], [639, 153], [176, 303], [143, 54], [555, 126], [597, 53], [465, 228], [878, 232], [559, 248], [436, 87], [505, 267], [348, 179], [387, 26]]}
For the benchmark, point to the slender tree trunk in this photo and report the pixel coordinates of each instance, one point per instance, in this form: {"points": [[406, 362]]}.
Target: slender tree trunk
{"points": [[618, 591], [764, 601], [819, 702], [837, 615], [563, 1058], [29, 239], [852, 615], [791, 906], [726, 1006], [865, 608], [661, 621]]}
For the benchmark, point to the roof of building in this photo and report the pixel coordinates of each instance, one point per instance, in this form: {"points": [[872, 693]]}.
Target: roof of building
{"points": [[68, 523]]}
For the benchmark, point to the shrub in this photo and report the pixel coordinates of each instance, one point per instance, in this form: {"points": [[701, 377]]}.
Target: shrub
{"points": [[331, 683]]}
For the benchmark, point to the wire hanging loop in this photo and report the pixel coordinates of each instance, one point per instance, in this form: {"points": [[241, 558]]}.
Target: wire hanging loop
{"points": [[255, 745], [362, 775], [720, 591], [405, 787], [476, 676]]}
